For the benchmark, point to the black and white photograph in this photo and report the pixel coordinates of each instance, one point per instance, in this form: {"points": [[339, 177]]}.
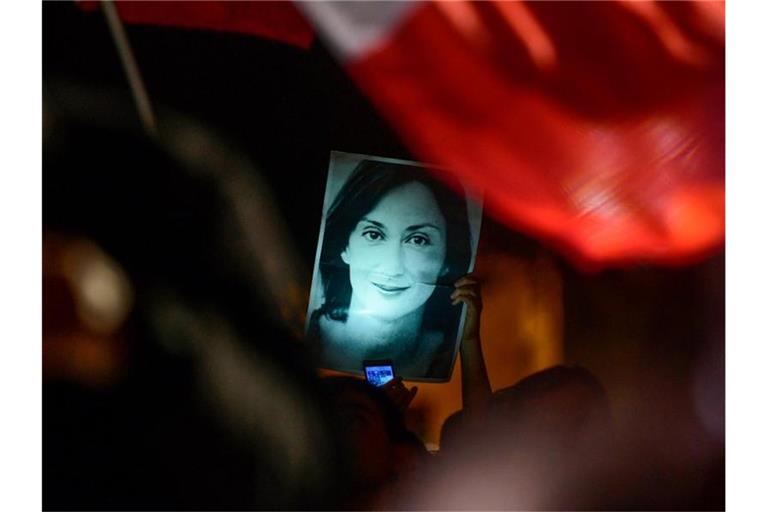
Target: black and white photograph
{"points": [[394, 239]]}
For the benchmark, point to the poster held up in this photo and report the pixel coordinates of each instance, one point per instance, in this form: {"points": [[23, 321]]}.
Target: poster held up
{"points": [[394, 238]]}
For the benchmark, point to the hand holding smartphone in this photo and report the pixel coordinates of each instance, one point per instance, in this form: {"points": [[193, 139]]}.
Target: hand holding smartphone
{"points": [[382, 374]]}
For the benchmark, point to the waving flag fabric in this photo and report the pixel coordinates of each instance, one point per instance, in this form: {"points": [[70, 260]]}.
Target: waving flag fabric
{"points": [[596, 126], [274, 20]]}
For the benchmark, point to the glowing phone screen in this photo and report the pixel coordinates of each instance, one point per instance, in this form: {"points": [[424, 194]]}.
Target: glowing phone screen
{"points": [[379, 375]]}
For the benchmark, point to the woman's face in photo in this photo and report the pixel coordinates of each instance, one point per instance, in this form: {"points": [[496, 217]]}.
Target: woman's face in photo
{"points": [[396, 253]]}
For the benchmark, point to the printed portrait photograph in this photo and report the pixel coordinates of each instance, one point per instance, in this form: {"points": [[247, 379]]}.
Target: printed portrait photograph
{"points": [[394, 238]]}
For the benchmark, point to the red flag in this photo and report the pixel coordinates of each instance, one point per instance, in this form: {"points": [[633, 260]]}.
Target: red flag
{"points": [[274, 20], [598, 126]]}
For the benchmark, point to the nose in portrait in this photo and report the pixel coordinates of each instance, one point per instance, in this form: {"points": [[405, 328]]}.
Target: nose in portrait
{"points": [[389, 260]]}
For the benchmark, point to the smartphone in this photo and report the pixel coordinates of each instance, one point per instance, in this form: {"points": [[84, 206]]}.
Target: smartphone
{"points": [[379, 372]]}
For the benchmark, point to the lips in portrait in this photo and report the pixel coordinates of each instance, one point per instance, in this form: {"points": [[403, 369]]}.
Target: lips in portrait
{"points": [[388, 287]]}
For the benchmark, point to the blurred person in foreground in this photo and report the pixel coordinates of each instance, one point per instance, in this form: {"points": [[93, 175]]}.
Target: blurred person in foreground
{"points": [[167, 383]]}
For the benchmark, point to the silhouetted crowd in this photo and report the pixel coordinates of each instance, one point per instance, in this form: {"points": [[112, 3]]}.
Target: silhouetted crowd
{"points": [[191, 392]]}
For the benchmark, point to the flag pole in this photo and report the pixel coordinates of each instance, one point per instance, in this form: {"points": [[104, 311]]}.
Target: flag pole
{"points": [[129, 65]]}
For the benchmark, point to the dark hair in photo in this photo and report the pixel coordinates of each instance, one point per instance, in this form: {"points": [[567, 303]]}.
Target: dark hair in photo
{"points": [[366, 186]]}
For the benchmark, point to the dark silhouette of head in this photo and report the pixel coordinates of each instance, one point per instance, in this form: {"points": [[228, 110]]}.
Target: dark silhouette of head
{"points": [[374, 428]]}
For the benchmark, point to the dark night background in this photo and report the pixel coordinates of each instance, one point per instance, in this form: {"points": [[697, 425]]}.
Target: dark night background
{"points": [[644, 331]]}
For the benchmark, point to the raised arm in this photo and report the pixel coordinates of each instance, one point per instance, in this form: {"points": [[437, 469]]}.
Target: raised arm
{"points": [[475, 385]]}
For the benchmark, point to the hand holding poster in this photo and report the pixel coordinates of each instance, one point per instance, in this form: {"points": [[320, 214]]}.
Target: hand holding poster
{"points": [[393, 241]]}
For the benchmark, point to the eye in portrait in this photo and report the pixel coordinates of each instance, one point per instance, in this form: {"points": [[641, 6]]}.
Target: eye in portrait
{"points": [[394, 238]]}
